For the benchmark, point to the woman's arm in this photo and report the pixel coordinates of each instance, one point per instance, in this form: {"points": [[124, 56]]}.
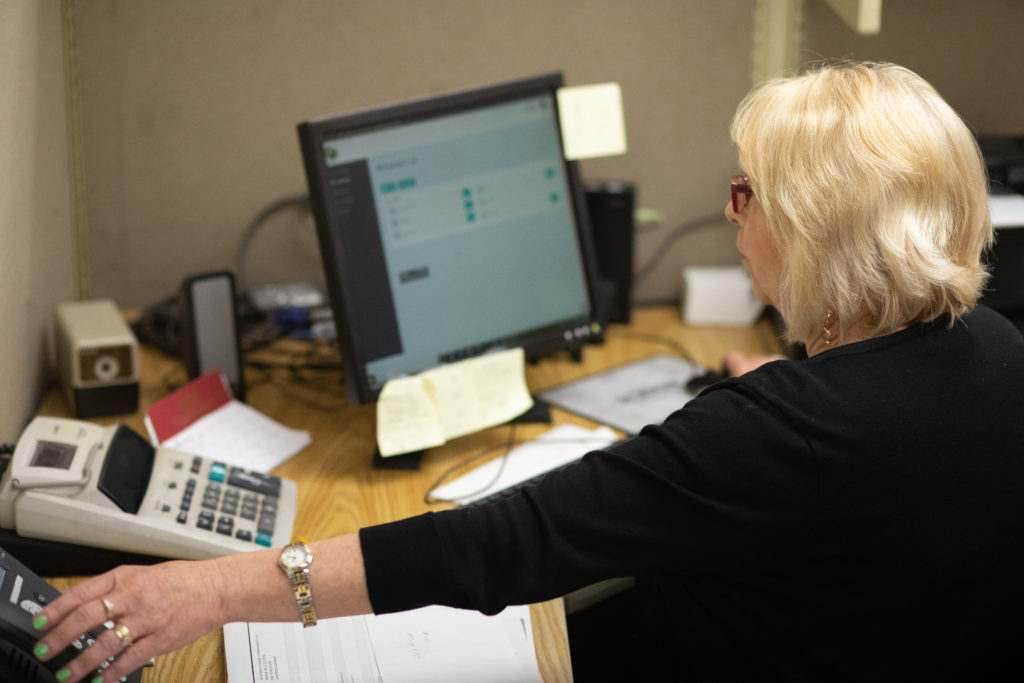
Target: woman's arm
{"points": [[169, 605]]}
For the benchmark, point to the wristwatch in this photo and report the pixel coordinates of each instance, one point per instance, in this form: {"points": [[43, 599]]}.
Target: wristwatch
{"points": [[295, 560]]}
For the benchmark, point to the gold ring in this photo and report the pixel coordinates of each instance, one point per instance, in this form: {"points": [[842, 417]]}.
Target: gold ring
{"points": [[110, 608], [122, 632]]}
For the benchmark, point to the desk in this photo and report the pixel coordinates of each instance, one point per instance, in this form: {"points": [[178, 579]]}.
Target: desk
{"points": [[339, 492]]}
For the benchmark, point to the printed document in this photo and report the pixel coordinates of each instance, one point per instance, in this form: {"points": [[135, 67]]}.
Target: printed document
{"points": [[631, 396], [428, 644]]}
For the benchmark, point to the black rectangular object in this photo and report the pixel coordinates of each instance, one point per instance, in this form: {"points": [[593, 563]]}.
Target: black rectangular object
{"points": [[210, 338], [610, 205], [22, 593]]}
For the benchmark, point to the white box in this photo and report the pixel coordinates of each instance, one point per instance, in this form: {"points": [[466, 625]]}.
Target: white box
{"points": [[719, 295]]}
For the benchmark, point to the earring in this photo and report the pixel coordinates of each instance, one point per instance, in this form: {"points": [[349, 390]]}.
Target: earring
{"points": [[829, 337]]}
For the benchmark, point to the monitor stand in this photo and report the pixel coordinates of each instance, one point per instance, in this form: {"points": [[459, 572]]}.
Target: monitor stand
{"points": [[402, 461]]}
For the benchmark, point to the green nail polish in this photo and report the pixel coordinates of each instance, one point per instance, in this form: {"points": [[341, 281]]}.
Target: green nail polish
{"points": [[98, 679], [41, 650], [63, 674], [39, 622]]}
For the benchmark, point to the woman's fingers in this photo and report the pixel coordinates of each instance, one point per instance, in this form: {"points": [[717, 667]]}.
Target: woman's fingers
{"points": [[154, 609]]}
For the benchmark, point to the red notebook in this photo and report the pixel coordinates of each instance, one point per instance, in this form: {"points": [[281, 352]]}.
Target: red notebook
{"points": [[185, 405]]}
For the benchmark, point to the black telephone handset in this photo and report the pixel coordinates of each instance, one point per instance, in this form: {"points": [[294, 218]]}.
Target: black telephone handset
{"points": [[22, 595]]}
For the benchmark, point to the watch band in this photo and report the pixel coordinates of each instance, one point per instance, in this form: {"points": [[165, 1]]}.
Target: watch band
{"points": [[304, 597], [295, 560]]}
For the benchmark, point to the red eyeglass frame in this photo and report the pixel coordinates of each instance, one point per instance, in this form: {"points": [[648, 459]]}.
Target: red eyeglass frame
{"points": [[741, 192]]}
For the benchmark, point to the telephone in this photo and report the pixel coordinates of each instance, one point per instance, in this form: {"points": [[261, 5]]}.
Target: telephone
{"points": [[77, 482], [22, 596]]}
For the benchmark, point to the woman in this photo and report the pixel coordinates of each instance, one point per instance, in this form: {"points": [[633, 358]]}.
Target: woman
{"points": [[851, 516]]}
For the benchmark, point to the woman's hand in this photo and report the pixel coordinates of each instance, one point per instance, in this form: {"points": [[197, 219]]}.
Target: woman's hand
{"points": [[167, 606], [155, 609]]}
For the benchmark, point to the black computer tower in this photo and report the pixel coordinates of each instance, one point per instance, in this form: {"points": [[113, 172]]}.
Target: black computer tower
{"points": [[610, 205]]}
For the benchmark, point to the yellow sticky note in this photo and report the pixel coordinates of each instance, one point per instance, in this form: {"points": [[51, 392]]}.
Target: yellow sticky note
{"points": [[480, 392], [424, 411], [407, 418], [592, 121]]}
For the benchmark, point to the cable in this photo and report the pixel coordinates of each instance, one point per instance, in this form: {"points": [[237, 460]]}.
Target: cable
{"points": [[429, 500], [299, 201], [6, 454], [313, 366], [663, 248], [158, 325], [655, 339], [508, 446]]}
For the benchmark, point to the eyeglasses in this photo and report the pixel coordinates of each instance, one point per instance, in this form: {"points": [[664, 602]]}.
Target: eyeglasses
{"points": [[741, 192]]}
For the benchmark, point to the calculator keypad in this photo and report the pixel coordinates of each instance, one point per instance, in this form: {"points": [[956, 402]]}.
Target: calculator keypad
{"points": [[226, 496]]}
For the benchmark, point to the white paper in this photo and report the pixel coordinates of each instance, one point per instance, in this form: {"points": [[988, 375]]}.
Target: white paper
{"points": [[1007, 210], [238, 434], [592, 121], [428, 644], [559, 446], [631, 396]]}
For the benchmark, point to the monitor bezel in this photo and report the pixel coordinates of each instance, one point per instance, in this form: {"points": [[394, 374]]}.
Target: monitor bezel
{"points": [[312, 135]]}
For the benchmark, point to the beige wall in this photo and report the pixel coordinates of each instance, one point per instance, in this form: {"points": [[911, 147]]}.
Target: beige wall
{"points": [[970, 50], [36, 267], [189, 109]]}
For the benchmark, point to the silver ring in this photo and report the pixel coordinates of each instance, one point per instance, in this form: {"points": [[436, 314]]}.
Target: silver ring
{"points": [[110, 608], [122, 632]]}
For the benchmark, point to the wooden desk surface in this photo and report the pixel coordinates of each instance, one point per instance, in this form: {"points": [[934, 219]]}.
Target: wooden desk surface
{"points": [[338, 490]]}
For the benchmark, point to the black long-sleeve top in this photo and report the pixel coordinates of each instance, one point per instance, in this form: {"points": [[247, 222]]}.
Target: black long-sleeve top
{"points": [[858, 515]]}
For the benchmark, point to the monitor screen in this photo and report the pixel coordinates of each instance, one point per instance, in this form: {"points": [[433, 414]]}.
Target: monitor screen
{"points": [[450, 226]]}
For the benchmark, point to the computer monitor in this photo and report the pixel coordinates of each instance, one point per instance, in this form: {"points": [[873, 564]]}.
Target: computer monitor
{"points": [[450, 226]]}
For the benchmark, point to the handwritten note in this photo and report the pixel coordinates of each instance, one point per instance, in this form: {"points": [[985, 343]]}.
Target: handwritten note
{"points": [[424, 411], [592, 121]]}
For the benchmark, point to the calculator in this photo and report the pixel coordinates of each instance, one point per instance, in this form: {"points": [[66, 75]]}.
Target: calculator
{"points": [[107, 487]]}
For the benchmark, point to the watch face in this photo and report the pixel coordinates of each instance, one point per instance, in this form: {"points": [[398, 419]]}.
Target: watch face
{"points": [[293, 556]]}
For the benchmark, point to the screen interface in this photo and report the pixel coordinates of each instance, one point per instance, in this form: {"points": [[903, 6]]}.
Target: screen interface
{"points": [[459, 233]]}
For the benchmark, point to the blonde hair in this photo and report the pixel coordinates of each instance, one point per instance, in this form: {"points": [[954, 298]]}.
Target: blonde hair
{"points": [[875, 193]]}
